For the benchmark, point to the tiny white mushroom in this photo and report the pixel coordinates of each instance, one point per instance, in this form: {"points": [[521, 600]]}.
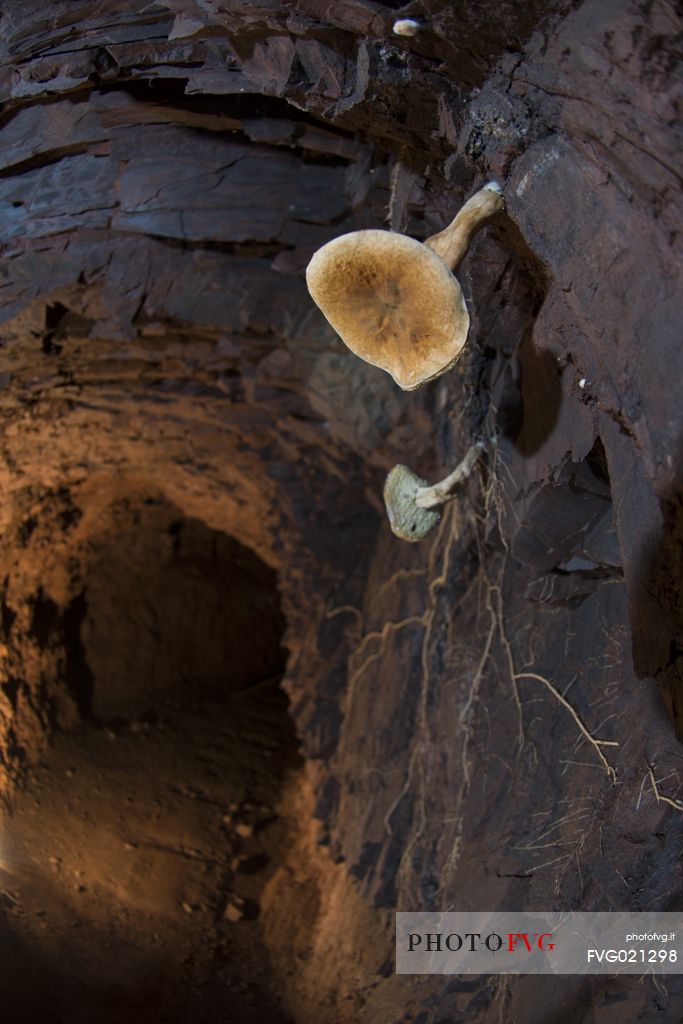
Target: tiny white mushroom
{"points": [[412, 504], [406, 27], [394, 301]]}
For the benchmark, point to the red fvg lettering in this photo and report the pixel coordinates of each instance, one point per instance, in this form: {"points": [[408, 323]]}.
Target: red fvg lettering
{"points": [[529, 941]]}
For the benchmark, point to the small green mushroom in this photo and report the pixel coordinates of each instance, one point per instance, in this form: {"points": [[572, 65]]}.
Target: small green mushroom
{"points": [[412, 504]]}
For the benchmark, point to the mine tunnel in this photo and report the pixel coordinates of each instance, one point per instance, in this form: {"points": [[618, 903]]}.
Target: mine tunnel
{"points": [[154, 820], [242, 722]]}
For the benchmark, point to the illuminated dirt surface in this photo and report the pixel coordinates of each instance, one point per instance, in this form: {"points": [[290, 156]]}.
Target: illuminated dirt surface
{"points": [[137, 862]]}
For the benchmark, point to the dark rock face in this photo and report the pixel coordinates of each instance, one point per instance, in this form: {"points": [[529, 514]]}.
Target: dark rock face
{"points": [[483, 715]]}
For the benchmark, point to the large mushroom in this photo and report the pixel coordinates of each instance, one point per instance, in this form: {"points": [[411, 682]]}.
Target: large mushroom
{"points": [[395, 301], [413, 507]]}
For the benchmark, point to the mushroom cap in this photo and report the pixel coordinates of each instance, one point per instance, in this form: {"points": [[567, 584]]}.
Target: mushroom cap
{"points": [[393, 301], [407, 520]]}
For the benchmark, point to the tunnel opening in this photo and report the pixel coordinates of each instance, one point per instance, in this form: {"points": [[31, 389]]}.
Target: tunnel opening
{"points": [[136, 850]]}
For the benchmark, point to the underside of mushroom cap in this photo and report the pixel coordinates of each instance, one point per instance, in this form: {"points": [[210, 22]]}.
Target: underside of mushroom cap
{"points": [[407, 520], [393, 301]]}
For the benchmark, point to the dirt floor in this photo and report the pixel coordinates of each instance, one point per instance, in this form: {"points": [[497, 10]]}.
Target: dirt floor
{"points": [[134, 862]]}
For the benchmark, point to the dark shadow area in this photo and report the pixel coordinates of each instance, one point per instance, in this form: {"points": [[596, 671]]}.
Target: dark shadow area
{"points": [[659, 597], [524, 381], [568, 525], [78, 675], [540, 390], [173, 605]]}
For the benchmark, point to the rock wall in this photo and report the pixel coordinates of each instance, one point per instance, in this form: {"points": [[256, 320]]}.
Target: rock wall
{"points": [[489, 718]]}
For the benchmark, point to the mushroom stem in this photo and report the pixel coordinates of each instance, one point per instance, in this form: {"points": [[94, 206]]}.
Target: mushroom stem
{"points": [[438, 494], [452, 243]]}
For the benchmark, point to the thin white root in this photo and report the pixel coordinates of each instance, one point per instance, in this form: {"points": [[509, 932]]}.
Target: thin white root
{"points": [[661, 799], [596, 744]]}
